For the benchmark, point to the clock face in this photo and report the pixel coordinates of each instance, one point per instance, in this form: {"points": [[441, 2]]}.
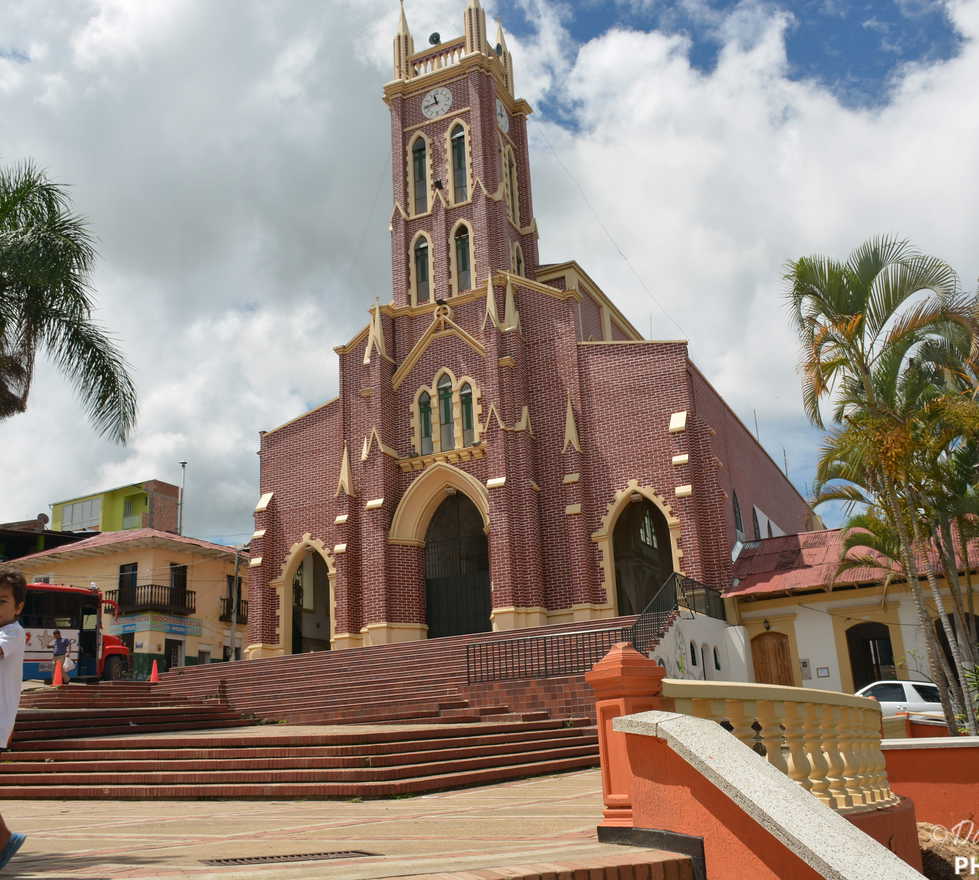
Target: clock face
{"points": [[502, 117], [437, 102]]}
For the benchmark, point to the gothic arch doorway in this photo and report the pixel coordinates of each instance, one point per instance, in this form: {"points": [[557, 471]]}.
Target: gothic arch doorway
{"points": [[871, 654], [643, 555], [311, 605], [457, 580]]}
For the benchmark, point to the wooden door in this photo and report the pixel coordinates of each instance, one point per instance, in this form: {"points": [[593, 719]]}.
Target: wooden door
{"points": [[772, 659]]}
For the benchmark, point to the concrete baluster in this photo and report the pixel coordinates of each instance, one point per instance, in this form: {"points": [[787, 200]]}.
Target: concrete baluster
{"points": [[830, 730], [740, 721], [819, 767], [770, 715], [799, 767], [848, 736], [867, 770]]}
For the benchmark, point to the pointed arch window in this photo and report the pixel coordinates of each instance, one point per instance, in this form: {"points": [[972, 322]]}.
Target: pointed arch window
{"points": [[422, 270], [446, 422], [468, 425], [511, 172], [738, 523], [518, 263], [425, 422], [419, 175], [463, 267], [460, 176]]}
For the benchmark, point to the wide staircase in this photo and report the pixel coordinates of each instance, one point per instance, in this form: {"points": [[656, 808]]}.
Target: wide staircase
{"points": [[421, 724]]}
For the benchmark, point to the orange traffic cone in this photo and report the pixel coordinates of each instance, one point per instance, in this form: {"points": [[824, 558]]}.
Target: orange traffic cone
{"points": [[154, 672], [58, 679]]}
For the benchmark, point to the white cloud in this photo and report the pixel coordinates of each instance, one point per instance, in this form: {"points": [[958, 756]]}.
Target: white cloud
{"points": [[229, 165]]}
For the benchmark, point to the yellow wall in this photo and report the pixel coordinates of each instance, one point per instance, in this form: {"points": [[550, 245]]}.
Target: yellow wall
{"points": [[206, 576]]}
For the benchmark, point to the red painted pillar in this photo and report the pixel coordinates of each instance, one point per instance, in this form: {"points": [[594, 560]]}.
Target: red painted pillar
{"points": [[624, 682]]}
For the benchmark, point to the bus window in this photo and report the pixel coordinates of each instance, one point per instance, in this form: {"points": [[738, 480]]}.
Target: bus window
{"points": [[90, 620]]}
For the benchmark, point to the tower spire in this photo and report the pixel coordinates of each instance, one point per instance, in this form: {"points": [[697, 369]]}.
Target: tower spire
{"points": [[475, 28], [404, 48], [506, 59]]}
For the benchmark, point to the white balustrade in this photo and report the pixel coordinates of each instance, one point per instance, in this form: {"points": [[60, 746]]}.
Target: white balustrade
{"points": [[828, 742]]}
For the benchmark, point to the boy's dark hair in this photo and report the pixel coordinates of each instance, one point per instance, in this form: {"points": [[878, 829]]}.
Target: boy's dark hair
{"points": [[11, 577]]}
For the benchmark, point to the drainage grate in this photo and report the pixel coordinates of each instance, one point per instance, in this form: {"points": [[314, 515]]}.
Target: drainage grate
{"points": [[301, 857]]}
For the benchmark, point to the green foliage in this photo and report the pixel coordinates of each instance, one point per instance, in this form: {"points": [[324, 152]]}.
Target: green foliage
{"points": [[46, 257]]}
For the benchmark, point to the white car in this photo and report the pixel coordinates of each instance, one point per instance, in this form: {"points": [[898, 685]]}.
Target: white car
{"points": [[903, 696]]}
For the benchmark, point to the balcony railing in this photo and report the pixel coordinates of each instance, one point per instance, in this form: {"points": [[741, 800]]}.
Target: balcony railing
{"points": [[227, 607], [153, 597], [828, 742]]}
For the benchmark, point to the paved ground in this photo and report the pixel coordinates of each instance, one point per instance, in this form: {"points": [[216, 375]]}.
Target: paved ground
{"points": [[545, 820]]}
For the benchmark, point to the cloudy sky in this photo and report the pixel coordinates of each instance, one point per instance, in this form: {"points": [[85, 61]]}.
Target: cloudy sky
{"points": [[232, 158]]}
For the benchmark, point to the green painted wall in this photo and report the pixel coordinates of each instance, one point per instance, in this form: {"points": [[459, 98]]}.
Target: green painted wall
{"points": [[113, 505]]}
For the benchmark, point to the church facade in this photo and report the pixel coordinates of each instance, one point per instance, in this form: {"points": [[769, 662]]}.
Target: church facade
{"points": [[506, 450]]}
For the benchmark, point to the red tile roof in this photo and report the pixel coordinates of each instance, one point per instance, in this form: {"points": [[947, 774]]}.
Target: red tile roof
{"points": [[105, 540], [804, 561]]}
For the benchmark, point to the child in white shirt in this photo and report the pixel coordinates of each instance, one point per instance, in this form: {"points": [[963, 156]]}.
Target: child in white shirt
{"points": [[13, 593]]}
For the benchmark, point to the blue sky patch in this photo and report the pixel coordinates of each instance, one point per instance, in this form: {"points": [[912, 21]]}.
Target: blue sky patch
{"points": [[18, 55]]}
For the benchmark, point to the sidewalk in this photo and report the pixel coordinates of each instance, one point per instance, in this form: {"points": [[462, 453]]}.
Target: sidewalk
{"points": [[544, 820]]}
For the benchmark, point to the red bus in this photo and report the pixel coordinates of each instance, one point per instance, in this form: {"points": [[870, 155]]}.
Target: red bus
{"points": [[77, 613]]}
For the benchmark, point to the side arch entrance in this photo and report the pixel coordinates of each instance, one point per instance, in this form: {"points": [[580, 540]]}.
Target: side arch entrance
{"points": [[643, 555], [311, 605], [457, 577], [871, 654]]}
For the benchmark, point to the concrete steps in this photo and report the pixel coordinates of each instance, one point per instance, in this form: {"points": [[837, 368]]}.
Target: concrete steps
{"points": [[379, 763]]}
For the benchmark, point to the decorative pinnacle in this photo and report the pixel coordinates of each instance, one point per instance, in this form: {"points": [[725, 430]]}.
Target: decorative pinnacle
{"points": [[500, 38], [403, 28]]}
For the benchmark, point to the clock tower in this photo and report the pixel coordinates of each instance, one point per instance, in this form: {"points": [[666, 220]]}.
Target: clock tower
{"points": [[460, 169]]}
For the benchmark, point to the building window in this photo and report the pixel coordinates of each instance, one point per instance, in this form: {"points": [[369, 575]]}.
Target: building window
{"points": [[446, 422], [693, 653], [463, 268], [422, 270], [425, 422], [419, 174], [127, 575], [460, 176], [513, 192], [518, 263], [647, 532], [466, 401], [717, 660], [770, 529], [754, 523], [738, 524]]}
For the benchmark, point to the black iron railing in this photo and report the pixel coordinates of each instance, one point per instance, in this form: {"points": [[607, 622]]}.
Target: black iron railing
{"points": [[572, 653], [227, 607], [153, 597]]}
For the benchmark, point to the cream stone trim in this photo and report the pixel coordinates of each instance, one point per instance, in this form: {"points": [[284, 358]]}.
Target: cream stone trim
{"points": [[391, 633], [496, 483], [258, 533], [350, 346], [420, 462], [413, 270], [606, 322], [507, 361], [511, 317], [339, 548], [570, 429], [490, 313], [342, 641], [453, 268], [449, 168], [442, 325], [681, 459], [264, 502], [578, 280], [678, 422], [579, 612], [501, 278], [341, 519], [374, 504], [572, 509], [395, 311], [512, 617], [571, 478], [511, 181], [260, 651], [683, 491], [255, 562], [375, 341], [345, 483], [454, 111], [366, 392], [374, 437], [603, 537], [283, 582], [534, 486], [426, 493], [410, 175]]}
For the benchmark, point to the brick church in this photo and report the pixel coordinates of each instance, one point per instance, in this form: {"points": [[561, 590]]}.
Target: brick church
{"points": [[506, 450]]}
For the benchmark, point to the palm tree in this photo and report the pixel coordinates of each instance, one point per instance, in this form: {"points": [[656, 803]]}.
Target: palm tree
{"points": [[46, 254], [861, 324]]}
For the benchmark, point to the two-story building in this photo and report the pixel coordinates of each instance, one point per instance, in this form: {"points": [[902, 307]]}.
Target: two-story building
{"points": [[176, 595], [151, 504]]}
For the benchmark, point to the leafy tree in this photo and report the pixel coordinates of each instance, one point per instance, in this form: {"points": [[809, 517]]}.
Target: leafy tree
{"points": [[890, 341], [46, 255]]}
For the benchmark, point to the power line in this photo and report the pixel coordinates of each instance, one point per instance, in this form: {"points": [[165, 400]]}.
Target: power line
{"points": [[608, 234]]}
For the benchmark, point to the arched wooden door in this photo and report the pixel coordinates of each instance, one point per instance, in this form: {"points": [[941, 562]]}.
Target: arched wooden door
{"points": [[772, 658], [457, 579], [643, 555]]}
